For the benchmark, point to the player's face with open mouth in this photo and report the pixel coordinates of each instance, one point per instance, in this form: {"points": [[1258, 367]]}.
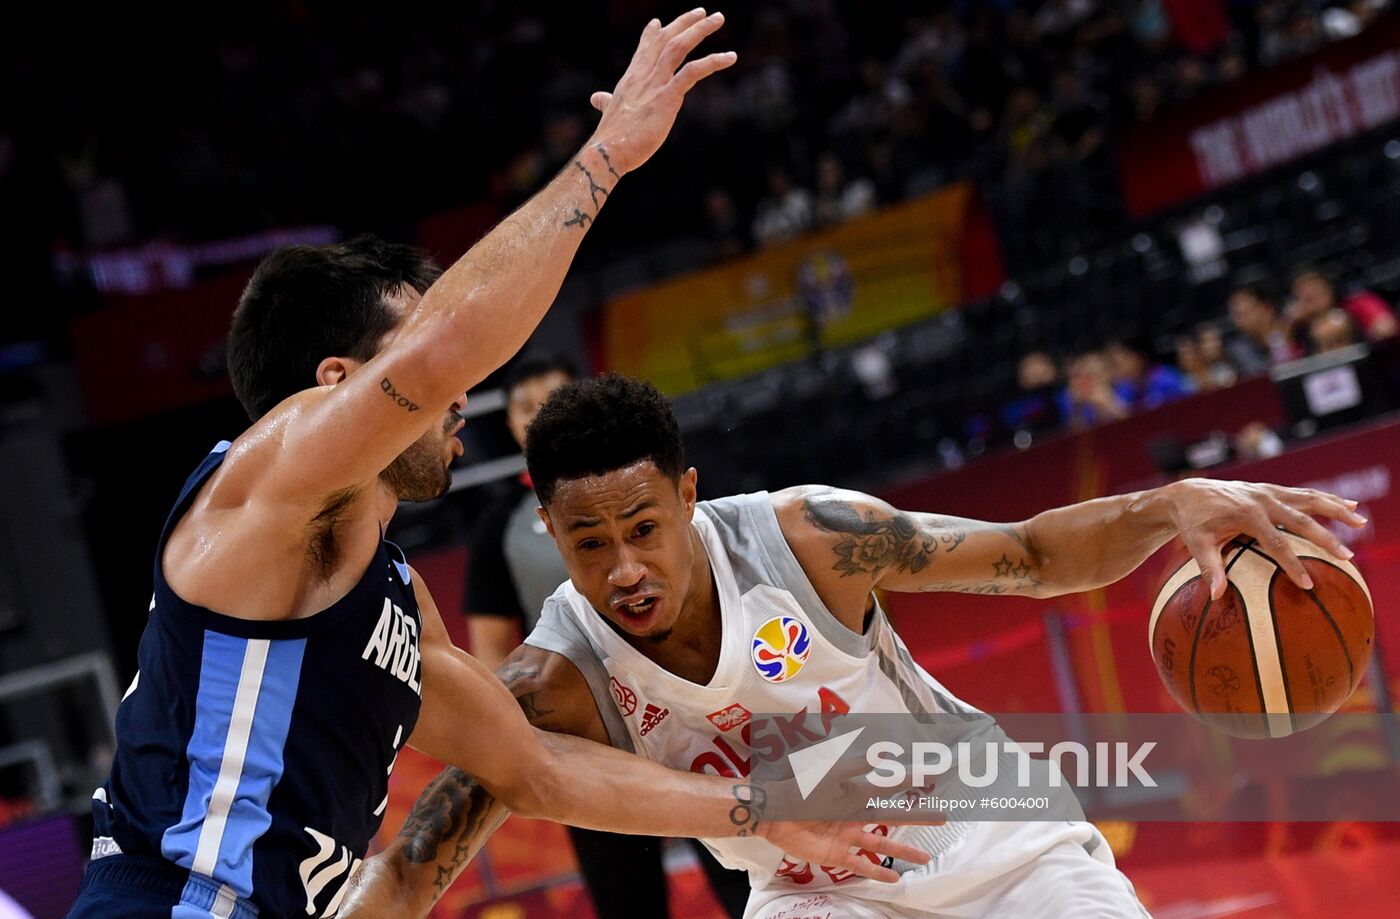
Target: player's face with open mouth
{"points": [[626, 539]]}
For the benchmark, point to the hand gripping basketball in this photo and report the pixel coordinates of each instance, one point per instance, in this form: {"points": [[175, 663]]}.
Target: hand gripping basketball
{"points": [[639, 112], [1208, 514]]}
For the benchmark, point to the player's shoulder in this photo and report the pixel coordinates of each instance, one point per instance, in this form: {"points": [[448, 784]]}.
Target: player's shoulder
{"points": [[553, 692], [801, 509], [250, 460]]}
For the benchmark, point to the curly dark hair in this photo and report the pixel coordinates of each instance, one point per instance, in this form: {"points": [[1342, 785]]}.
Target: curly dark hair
{"points": [[591, 427], [307, 303]]}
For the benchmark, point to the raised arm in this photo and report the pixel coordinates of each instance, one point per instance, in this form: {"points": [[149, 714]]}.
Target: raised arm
{"points": [[850, 543], [485, 306]]}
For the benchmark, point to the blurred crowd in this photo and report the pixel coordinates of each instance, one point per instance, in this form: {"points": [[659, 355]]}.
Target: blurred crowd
{"points": [[1260, 329], [370, 116]]}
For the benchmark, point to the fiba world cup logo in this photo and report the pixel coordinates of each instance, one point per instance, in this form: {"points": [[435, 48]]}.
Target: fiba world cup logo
{"points": [[780, 647]]}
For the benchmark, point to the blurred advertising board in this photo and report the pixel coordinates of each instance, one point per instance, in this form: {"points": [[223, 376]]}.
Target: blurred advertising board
{"points": [[1263, 120], [897, 266]]}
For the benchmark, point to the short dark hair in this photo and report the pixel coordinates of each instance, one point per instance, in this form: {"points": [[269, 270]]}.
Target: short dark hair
{"points": [[529, 366], [1260, 289], [306, 303], [595, 426], [1311, 270]]}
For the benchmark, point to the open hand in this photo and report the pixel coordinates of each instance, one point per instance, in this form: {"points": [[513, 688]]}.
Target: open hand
{"points": [[1209, 513], [639, 112]]}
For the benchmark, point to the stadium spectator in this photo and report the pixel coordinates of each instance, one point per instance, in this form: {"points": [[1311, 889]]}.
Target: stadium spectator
{"points": [[1260, 341], [1141, 383], [724, 231], [1200, 375], [1314, 294], [786, 213], [1037, 406], [1090, 396], [1331, 331], [1211, 344], [837, 199]]}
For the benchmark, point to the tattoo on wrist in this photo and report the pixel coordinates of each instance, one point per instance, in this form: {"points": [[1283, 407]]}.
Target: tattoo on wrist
{"points": [[597, 192], [399, 398], [594, 189], [747, 812], [603, 152]]}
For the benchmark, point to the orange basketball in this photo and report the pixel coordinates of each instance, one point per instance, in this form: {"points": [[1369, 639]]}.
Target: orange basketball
{"points": [[1267, 658]]}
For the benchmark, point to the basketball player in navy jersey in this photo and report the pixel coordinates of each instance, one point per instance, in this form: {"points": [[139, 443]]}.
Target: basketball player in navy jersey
{"points": [[291, 653], [711, 612]]}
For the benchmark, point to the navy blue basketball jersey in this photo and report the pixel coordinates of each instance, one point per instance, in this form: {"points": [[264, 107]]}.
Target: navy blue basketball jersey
{"points": [[256, 755]]}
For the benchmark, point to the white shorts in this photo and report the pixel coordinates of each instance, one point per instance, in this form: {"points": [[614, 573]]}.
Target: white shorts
{"points": [[997, 876]]}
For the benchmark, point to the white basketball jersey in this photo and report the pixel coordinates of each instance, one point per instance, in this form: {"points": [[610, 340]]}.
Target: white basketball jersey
{"points": [[783, 651]]}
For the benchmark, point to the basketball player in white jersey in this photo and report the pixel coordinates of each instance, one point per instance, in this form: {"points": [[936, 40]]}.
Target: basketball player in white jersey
{"points": [[681, 619]]}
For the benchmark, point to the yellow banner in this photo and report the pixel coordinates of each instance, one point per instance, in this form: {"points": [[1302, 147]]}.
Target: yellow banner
{"points": [[894, 267]]}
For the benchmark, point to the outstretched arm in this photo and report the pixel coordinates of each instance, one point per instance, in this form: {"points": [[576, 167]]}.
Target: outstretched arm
{"points": [[470, 720], [486, 305], [850, 543], [455, 816]]}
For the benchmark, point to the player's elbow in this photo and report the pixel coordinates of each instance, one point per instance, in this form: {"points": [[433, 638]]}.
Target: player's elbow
{"points": [[531, 788]]}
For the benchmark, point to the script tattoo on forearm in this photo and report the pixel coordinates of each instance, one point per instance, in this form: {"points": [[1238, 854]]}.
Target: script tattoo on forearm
{"points": [[1013, 572], [399, 398], [597, 192], [455, 809]]}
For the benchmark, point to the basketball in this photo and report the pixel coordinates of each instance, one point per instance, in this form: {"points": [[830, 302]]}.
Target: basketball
{"points": [[1268, 658]]}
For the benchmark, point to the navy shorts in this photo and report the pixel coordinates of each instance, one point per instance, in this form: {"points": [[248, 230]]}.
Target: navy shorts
{"points": [[134, 887]]}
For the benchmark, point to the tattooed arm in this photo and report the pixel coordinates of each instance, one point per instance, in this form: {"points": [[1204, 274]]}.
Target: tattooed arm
{"points": [[455, 816], [474, 317], [448, 825], [850, 543]]}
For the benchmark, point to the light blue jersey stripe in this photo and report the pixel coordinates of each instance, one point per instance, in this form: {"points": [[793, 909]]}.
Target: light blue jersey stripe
{"points": [[243, 709]]}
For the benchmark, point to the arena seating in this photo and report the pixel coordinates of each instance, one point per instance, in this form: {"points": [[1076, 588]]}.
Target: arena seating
{"points": [[1339, 210]]}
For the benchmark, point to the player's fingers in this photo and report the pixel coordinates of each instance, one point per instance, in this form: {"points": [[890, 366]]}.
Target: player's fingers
{"points": [[698, 70], [647, 44], [600, 100], [678, 48], [1322, 504], [1206, 552], [1306, 526], [883, 845], [1276, 545], [681, 23], [864, 867]]}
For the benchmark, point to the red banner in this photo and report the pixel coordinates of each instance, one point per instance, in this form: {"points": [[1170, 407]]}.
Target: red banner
{"points": [[1263, 120]]}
